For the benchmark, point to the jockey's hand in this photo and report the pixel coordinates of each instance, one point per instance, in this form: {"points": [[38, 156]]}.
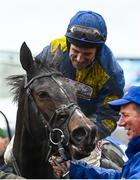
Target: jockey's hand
{"points": [[60, 167]]}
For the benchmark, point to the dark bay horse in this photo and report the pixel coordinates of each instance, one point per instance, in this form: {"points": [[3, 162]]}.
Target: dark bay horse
{"points": [[47, 117]]}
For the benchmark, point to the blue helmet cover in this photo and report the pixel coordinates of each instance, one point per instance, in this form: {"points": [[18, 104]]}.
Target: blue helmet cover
{"points": [[88, 19]]}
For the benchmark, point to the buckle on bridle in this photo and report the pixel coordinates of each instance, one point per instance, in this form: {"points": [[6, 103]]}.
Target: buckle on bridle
{"points": [[59, 138]]}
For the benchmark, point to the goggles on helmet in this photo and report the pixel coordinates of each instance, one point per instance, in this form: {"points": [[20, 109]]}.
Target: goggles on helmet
{"points": [[90, 34]]}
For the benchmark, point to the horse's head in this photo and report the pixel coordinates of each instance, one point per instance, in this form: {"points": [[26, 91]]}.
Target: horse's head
{"points": [[54, 100], [50, 113]]}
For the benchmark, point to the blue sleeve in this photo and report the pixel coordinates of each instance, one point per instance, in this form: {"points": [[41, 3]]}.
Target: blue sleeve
{"points": [[42, 56], [80, 170], [111, 90], [132, 166]]}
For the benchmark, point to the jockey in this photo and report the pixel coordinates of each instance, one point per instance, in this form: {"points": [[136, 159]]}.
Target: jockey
{"points": [[88, 60]]}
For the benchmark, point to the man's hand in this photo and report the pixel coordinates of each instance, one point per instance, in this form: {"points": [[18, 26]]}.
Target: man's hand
{"points": [[60, 167]]}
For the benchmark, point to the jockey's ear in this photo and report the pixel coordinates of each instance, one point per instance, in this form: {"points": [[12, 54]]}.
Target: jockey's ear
{"points": [[26, 58]]}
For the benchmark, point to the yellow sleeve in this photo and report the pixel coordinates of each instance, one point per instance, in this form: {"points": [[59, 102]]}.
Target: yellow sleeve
{"points": [[59, 41]]}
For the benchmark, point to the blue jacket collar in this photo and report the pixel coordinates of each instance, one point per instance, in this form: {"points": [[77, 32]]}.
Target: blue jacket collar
{"points": [[133, 147]]}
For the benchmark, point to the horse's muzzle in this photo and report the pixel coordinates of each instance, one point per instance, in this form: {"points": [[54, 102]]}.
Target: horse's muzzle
{"points": [[83, 141]]}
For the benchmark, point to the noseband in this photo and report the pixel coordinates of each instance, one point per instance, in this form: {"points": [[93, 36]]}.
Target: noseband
{"points": [[58, 113]]}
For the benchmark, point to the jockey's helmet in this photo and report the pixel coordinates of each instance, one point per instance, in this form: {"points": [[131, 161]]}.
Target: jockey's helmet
{"points": [[87, 29]]}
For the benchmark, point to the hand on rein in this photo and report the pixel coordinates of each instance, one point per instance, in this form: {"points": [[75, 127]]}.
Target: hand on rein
{"points": [[60, 167]]}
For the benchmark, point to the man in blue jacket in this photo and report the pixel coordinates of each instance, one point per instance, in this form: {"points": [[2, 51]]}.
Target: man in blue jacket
{"points": [[129, 107], [86, 59]]}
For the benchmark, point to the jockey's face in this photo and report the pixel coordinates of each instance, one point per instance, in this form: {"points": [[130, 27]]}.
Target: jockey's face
{"points": [[81, 57], [130, 120]]}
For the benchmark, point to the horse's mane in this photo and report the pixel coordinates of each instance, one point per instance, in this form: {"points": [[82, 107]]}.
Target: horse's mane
{"points": [[17, 82], [17, 85]]}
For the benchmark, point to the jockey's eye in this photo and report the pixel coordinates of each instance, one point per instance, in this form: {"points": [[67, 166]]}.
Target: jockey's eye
{"points": [[43, 95]]}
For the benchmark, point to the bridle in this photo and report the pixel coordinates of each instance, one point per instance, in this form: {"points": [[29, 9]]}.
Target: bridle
{"points": [[67, 109]]}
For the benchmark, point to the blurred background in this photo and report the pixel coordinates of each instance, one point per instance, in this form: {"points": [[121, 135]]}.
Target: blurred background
{"points": [[37, 22]]}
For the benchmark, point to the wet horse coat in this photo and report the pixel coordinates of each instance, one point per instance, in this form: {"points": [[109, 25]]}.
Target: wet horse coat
{"points": [[47, 115]]}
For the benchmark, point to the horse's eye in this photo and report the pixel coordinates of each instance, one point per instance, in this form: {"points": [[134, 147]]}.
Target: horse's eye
{"points": [[43, 95]]}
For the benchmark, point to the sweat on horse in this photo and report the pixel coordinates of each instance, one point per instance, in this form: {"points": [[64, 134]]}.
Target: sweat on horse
{"points": [[48, 117]]}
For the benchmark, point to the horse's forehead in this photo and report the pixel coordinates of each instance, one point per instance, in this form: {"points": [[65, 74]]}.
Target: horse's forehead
{"points": [[49, 82], [57, 87], [48, 78]]}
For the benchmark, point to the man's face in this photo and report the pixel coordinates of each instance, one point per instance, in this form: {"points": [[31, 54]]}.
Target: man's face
{"points": [[81, 57], [3, 144], [130, 120]]}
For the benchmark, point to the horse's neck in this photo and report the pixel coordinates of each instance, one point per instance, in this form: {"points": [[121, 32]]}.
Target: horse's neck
{"points": [[31, 158], [30, 154]]}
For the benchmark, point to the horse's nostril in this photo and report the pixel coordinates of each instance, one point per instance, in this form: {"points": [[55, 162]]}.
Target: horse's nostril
{"points": [[79, 134]]}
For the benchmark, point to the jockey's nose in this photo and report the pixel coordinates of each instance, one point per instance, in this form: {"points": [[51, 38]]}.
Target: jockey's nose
{"points": [[79, 58]]}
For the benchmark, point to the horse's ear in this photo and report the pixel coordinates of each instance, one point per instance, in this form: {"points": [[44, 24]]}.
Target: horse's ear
{"points": [[26, 58], [58, 57]]}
